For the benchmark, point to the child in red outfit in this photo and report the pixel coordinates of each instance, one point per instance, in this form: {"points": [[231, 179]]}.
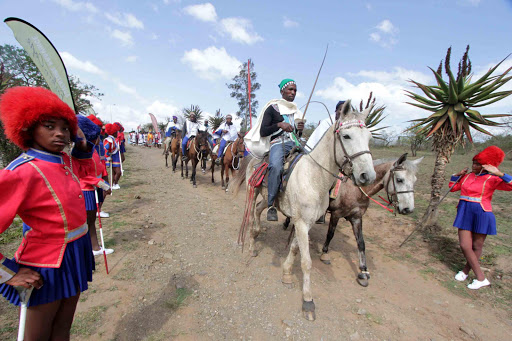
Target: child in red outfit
{"points": [[55, 256], [475, 219]]}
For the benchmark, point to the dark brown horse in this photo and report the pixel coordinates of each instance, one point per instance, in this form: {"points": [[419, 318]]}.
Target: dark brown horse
{"points": [[233, 155], [197, 152], [173, 147]]}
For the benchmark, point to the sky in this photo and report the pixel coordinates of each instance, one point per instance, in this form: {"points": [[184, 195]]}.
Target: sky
{"points": [[158, 56]]}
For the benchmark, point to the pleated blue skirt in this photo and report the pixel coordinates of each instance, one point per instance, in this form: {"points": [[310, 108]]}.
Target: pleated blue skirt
{"points": [[472, 217], [90, 200], [64, 282]]}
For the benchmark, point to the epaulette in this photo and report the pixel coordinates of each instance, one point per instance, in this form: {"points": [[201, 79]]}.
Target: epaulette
{"points": [[23, 158]]}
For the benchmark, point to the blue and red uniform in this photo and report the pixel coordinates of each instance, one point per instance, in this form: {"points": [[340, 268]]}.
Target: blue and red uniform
{"points": [[112, 152], [474, 211], [45, 193], [90, 172]]}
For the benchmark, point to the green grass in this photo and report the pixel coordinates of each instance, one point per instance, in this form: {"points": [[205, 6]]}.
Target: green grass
{"points": [[110, 243], [118, 224], [13, 233], [179, 298], [84, 323]]}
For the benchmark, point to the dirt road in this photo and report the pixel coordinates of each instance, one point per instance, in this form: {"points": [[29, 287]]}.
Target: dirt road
{"points": [[178, 273]]}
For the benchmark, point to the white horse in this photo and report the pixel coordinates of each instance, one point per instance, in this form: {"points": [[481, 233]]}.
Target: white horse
{"points": [[344, 147]]}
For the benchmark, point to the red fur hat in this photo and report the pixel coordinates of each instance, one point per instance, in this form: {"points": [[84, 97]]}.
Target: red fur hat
{"points": [[111, 129], [22, 107], [95, 120], [119, 126], [491, 155]]}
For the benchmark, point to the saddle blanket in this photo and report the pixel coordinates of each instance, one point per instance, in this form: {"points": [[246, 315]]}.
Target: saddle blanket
{"points": [[333, 193]]}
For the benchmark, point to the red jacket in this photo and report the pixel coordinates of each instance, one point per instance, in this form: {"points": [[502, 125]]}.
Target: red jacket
{"points": [[480, 188], [41, 188], [90, 169]]}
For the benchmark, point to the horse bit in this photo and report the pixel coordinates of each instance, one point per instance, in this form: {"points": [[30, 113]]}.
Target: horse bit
{"points": [[346, 167]]}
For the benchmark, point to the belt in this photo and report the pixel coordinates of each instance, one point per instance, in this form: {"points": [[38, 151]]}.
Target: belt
{"points": [[465, 197]]}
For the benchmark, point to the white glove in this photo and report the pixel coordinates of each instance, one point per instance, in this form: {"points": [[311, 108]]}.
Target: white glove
{"points": [[103, 185]]}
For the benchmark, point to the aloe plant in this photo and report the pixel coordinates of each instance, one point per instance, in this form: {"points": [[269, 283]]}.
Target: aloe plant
{"points": [[452, 104], [375, 117]]}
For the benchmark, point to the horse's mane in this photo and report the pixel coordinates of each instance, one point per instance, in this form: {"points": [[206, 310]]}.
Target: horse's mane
{"points": [[409, 165]]}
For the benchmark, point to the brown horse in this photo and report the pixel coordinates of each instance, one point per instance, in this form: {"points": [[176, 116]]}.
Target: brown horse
{"points": [[231, 159], [175, 150], [198, 152]]}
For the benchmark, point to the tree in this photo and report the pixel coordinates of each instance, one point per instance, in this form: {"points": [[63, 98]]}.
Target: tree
{"points": [[415, 139], [217, 120], [450, 103], [193, 109], [375, 116], [239, 90]]}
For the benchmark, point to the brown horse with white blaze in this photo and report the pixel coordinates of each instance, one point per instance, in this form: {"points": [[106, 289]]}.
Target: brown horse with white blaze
{"points": [[197, 152]]}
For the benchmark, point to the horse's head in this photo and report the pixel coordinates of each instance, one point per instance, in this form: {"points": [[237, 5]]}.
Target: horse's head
{"points": [[203, 147], [352, 139], [399, 184], [239, 146]]}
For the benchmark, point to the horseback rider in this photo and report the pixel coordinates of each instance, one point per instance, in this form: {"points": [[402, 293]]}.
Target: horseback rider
{"points": [[206, 127], [170, 130], [190, 129], [229, 133], [274, 133], [324, 125]]}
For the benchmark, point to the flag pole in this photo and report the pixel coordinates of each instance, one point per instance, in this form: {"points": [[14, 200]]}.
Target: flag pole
{"points": [[249, 90], [101, 228]]}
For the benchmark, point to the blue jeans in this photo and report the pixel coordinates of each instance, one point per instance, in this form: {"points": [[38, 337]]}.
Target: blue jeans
{"points": [[222, 145], [184, 145], [276, 157]]}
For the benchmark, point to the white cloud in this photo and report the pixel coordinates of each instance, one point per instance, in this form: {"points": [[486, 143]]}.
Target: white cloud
{"points": [[131, 59], [288, 23], [299, 95], [387, 86], [387, 26], [153, 36], [77, 6], [161, 110], [212, 63], [125, 20], [125, 88], [72, 62], [385, 35], [125, 38], [368, 6], [240, 30], [204, 12]]}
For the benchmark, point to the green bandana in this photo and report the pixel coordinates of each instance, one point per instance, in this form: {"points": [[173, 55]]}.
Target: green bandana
{"points": [[285, 82]]}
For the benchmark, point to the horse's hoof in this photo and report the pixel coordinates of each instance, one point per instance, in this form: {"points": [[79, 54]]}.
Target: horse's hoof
{"points": [[362, 279], [254, 253], [285, 226], [223, 187], [195, 186], [325, 258], [287, 279], [308, 308]]}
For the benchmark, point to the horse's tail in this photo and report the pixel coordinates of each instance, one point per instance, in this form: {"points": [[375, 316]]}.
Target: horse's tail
{"points": [[239, 179]]}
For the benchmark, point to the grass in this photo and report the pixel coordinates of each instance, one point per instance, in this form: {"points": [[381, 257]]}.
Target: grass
{"points": [[13, 233], [84, 323], [179, 298]]}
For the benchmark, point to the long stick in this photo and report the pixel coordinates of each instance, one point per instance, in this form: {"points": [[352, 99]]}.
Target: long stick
{"points": [[314, 85], [101, 228], [24, 294], [111, 175], [121, 162], [420, 225]]}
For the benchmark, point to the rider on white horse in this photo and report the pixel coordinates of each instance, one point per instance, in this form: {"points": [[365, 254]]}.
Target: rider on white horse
{"points": [[275, 132], [229, 133]]}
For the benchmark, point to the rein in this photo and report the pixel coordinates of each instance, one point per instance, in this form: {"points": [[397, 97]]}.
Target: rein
{"points": [[393, 197], [235, 156]]}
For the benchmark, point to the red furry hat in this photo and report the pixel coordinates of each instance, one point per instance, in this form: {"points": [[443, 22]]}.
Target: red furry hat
{"points": [[491, 155], [111, 129], [119, 126], [22, 107], [95, 120]]}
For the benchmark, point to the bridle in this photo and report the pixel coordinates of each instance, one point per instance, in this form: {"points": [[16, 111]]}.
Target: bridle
{"points": [[393, 197], [201, 154], [346, 168], [236, 156]]}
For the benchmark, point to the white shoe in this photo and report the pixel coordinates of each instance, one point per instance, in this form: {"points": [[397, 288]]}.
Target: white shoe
{"points": [[461, 276], [476, 284], [100, 252], [104, 214], [116, 186]]}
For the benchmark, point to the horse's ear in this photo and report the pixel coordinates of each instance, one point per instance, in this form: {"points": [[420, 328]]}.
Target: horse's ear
{"points": [[346, 108], [401, 159], [418, 161]]}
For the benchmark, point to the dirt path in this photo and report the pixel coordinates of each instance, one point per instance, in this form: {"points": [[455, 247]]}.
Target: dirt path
{"points": [[178, 273]]}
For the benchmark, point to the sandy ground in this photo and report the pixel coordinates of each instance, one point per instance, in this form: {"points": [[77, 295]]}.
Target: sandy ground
{"points": [[178, 273]]}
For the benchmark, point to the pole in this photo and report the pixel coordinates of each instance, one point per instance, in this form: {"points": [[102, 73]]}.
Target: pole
{"points": [[101, 228], [249, 90], [111, 176], [316, 80], [24, 294]]}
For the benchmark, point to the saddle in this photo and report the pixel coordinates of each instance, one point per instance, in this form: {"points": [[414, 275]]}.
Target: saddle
{"points": [[289, 164], [190, 141]]}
